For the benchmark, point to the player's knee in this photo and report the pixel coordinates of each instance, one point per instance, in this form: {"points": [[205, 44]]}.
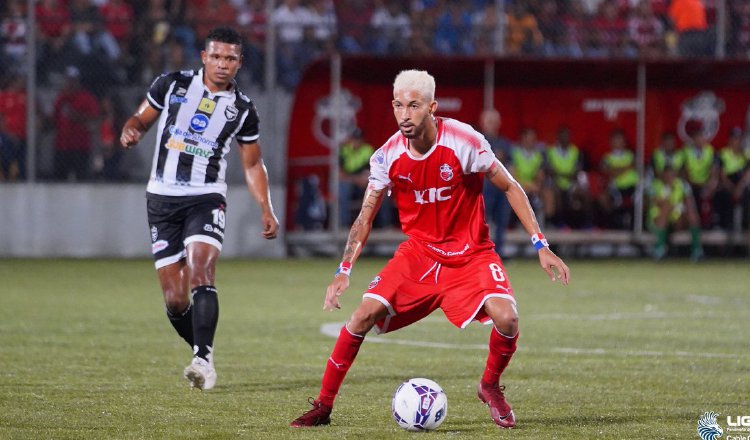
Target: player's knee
{"points": [[176, 301], [504, 315], [201, 276], [506, 323], [361, 321]]}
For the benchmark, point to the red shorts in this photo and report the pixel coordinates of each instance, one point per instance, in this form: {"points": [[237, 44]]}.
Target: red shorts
{"points": [[412, 285]]}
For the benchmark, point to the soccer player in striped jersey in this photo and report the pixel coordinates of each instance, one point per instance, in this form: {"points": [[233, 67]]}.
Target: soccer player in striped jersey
{"points": [[434, 168], [199, 113]]}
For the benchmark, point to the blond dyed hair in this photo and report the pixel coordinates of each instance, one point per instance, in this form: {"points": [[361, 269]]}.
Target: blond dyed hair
{"points": [[418, 80]]}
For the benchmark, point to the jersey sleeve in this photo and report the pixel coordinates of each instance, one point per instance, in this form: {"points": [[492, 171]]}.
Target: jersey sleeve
{"points": [[249, 132], [157, 93], [379, 171], [481, 159]]}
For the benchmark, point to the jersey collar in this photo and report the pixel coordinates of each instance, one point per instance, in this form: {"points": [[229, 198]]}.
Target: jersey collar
{"points": [[438, 138], [230, 92]]}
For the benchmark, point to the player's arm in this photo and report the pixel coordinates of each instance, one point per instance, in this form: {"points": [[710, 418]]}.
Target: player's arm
{"points": [[358, 235], [138, 124], [256, 177], [499, 176]]}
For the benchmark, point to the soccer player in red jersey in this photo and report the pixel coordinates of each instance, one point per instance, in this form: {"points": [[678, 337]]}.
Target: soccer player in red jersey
{"points": [[433, 168]]}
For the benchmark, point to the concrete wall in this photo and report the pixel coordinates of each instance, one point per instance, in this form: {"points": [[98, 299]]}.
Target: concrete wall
{"points": [[80, 220]]}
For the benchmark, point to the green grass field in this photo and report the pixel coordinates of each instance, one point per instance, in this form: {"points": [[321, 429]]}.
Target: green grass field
{"points": [[630, 350]]}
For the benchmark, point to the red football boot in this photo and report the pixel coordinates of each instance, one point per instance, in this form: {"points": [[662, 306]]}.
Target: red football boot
{"points": [[319, 415], [500, 411]]}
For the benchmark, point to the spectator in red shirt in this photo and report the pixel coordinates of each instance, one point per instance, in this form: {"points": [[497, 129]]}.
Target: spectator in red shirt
{"points": [[646, 31], [118, 18], [75, 112], [12, 36], [13, 113], [611, 30]]}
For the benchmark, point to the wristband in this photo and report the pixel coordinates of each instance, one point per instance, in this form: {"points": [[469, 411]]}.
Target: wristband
{"points": [[345, 268], [539, 241]]}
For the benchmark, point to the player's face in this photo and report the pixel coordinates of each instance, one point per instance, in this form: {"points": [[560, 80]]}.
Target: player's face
{"points": [[221, 62], [413, 112]]}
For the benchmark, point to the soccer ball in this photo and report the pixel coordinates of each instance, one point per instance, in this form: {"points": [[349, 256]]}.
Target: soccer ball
{"points": [[419, 405]]}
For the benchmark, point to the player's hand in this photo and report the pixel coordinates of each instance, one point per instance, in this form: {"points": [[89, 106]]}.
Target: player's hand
{"points": [[270, 225], [334, 290], [555, 267], [129, 137]]}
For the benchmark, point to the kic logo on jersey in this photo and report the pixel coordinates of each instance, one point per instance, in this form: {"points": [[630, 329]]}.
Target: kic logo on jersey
{"points": [[432, 195]]}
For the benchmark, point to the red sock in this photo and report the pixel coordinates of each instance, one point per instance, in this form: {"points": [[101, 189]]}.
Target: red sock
{"points": [[344, 352], [501, 350]]}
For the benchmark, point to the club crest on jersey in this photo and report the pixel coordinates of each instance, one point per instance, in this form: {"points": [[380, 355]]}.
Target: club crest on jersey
{"points": [[231, 112], [446, 172], [154, 234], [199, 122], [374, 282]]}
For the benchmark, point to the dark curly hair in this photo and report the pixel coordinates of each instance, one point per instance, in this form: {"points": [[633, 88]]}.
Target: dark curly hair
{"points": [[224, 34]]}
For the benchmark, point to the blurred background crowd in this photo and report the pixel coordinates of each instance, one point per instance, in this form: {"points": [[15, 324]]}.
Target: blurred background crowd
{"points": [[87, 55]]}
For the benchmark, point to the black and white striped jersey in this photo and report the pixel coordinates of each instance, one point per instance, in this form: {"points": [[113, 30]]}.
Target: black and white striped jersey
{"points": [[195, 132]]}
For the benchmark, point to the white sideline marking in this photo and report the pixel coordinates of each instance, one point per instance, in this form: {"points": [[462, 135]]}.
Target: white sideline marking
{"points": [[332, 329]]}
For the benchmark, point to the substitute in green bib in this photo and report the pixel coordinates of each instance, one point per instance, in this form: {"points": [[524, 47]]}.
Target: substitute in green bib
{"points": [[619, 166], [354, 172], [667, 152], [700, 169], [733, 190], [671, 207], [570, 201], [527, 167]]}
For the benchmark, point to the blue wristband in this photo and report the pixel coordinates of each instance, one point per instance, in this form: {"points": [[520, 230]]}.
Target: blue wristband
{"points": [[539, 241]]}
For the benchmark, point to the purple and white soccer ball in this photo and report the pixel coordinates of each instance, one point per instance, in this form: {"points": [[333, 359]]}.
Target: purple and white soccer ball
{"points": [[419, 405]]}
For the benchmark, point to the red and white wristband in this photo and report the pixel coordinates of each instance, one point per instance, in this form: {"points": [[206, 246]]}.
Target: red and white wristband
{"points": [[539, 241], [345, 268]]}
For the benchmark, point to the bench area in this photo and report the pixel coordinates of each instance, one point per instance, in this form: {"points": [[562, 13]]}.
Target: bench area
{"points": [[592, 243]]}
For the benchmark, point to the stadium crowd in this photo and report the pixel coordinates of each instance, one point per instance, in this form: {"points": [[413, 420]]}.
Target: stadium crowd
{"points": [[88, 51]]}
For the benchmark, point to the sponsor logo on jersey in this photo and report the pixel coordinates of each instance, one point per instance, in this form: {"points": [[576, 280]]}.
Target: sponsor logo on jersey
{"points": [[177, 100], [432, 195], [159, 246], [195, 150], [181, 91], [446, 172], [177, 131], [199, 122], [208, 228], [207, 106], [406, 177], [231, 112]]}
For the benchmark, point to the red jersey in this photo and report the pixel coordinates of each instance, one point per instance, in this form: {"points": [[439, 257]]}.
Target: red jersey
{"points": [[439, 195]]}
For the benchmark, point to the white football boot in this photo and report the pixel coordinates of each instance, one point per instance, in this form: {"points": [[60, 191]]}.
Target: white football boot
{"points": [[201, 373]]}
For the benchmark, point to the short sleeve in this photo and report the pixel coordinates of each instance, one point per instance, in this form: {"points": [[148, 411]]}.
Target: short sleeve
{"points": [[249, 132], [379, 171], [157, 93], [481, 158]]}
